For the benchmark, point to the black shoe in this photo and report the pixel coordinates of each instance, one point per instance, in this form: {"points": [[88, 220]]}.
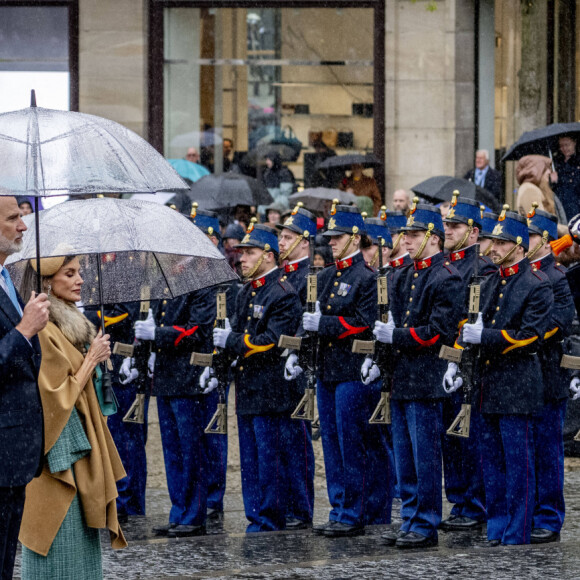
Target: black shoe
{"points": [[390, 537], [163, 530], [296, 524], [493, 543], [183, 531], [214, 514], [321, 528], [459, 523], [122, 518], [414, 540], [340, 530], [543, 536]]}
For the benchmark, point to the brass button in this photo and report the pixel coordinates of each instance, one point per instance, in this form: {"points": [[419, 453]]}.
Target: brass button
{"points": [[497, 308], [411, 299], [249, 318], [408, 312], [405, 325], [241, 368], [329, 344], [493, 321], [332, 295], [250, 305], [415, 275], [162, 325], [245, 330], [339, 274], [413, 287], [447, 263], [164, 302], [501, 295], [158, 350], [163, 314], [486, 362], [336, 283], [253, 293], [328, 307], [504, 282]]}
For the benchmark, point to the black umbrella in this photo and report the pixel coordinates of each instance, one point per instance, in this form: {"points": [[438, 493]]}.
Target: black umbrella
{"points": [[441, 187], [228, 190], [541, 141], [368, 160]]}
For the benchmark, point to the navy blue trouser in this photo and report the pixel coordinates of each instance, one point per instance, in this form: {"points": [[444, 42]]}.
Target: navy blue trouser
{"points": [[11, 508], [182, 422], [263, 461], [130, 440], [356, 455], [416, 431], [297, 437], [549, 508], [462, 464], [217, 457], [507, 445]]}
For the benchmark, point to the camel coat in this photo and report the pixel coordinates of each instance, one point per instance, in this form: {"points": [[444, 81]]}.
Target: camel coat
{"points": [[48, 497]]}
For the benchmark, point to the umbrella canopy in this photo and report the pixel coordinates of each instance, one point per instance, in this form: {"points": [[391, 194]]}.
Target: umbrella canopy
{"points": [[44, 152], [135, 244], [316, 198], [228, 190], [368, 160], [441, 188], [257, 155], [541, 141], [188, 169]]}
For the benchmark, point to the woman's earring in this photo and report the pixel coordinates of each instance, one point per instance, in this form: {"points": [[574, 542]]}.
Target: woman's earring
{"points": [[49, 289]]}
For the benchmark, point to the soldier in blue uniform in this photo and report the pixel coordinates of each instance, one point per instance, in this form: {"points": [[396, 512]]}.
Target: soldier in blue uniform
{"points": [[515, 315], [130, 438], [294, 242], [374, 228], [179, 327], [266, 308], [216, 445], [345, 311], [396, 221], [488, 221], [425, 312], [548, 429], [462, 457]]}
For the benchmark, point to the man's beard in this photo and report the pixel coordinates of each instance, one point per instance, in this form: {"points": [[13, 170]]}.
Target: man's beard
{"points": [[8, 248]]}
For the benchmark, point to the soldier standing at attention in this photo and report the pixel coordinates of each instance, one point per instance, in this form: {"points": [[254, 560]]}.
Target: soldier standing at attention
{"points": [[294, 242], [515, 316], [549, 510], [266, 308], [424, 315], [396, 220]]}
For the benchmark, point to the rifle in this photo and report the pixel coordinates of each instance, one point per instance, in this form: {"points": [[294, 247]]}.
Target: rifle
{"points": [[140, 350], [307, 347], [220, 362], [382, 352], [572, 363], [468, 358]]}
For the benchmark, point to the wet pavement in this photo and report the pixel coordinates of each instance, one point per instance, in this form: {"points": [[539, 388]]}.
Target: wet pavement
{"points": [[227, 552]]}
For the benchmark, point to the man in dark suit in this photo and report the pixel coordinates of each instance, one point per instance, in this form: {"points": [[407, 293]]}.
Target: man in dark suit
{"points": [[21, 425], [485, 176]]}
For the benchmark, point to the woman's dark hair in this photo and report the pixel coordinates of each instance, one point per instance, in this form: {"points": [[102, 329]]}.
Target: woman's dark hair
{"points": [[325, 252], [28, 283]]}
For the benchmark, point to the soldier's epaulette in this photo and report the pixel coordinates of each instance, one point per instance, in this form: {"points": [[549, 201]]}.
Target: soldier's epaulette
{"points": [[370, 268], [539, 275], [286, 286], [560, 268], [447, 266]]}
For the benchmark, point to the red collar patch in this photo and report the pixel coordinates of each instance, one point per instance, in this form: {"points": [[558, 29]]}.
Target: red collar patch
{"points": [[458, 255], [422, 264], [342, 264], [259, 282], [396, 263], [510, 271], [537, 265], [290, 268]]}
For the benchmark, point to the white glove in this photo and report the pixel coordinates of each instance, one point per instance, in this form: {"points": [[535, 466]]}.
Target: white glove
{"points": [[575, 387], [220, 335], [472, 332], [292, 369], [369, 371], [145, 329], [574, 226], [311, 321], [383, 331], [450, 383], [207, 381], [127, 373], [151, 364]]}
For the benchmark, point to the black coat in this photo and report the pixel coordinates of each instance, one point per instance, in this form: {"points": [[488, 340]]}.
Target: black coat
{"points": [[568, 186], [426, 302], [21, 420], [556, 379], [491, 183], [265, 309], [516, 310]]}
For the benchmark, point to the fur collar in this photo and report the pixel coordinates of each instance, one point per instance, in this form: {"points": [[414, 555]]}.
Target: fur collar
{"points": [[75, 326]]}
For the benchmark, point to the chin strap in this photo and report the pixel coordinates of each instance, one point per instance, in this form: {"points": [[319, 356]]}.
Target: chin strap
{"points": [[510, 253], [488, 251], [347, 245], [251, 274], [539, 246], [397, 242], [460, 244], [294, 245], [428, 234]]}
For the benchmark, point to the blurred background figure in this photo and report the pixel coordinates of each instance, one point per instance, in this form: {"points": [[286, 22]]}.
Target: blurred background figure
{"points": [[25, 207], [485, 176], [274, 214], [276, 173], [192, 155], [566, 177], [402, 200], [361, 184]]}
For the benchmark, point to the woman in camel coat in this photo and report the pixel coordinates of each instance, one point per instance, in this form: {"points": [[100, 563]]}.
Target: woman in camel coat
{"points": [[75, 494]]}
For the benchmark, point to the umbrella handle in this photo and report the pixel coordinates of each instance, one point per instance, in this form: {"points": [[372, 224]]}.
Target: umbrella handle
{"points": [[37, 225]]}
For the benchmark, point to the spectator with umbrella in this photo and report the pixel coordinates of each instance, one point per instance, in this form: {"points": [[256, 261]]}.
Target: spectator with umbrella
{"points": [[565, 178]]}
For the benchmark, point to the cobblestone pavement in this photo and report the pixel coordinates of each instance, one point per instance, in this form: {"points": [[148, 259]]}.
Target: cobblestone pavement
{"points": [[227, 552]]}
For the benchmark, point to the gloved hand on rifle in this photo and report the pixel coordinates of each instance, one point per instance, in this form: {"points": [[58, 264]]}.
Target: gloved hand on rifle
{"points": [[383, 331], [220, 335], [450, 382], [311, 320], [575, 387], [145, 329], [151, 365], [292, 369], [471, 333], [208, 381], [128, 373], [369, 371]]}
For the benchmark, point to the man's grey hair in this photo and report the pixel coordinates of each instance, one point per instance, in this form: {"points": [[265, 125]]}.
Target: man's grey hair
{"points": [[484, 152], [406, 192]]}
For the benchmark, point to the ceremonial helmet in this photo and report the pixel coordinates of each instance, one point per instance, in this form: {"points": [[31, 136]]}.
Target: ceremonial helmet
{"points": [[425, 217], [543, 223], [511, 227], [488, 221], [396, 220], [464, 211], [260, 236], [344, 219], [300, 221], [206, 221], [376, 227]]}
